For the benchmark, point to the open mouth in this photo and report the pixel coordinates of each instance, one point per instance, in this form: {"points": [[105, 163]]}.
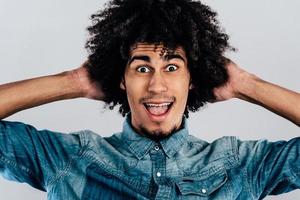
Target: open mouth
{"points": [[158, 108]]}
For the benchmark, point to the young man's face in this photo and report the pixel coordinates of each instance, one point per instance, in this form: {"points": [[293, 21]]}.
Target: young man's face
{"points": [[157, 86]]}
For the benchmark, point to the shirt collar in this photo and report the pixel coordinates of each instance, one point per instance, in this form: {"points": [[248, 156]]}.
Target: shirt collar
{"points": [[140, 145]]}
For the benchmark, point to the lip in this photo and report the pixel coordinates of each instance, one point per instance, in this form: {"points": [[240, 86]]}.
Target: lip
{"points": [[158, 117], [158, 102]]}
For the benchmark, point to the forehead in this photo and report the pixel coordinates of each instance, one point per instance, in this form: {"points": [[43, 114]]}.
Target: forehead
{"points": [[146, 48]]}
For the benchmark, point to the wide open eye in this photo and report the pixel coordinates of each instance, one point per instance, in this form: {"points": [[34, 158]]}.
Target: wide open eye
{"points": [[171, 68], [143, 69]]}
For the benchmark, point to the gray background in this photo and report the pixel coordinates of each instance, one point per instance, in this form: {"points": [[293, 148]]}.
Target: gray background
{"points": [[39, 38]]}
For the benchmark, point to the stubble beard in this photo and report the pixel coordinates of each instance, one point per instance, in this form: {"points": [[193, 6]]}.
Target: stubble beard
{"points": [[158, 134]]}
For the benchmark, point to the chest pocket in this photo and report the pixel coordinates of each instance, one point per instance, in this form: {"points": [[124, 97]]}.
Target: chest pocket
{"points": [[202, 187], [101, 185]]}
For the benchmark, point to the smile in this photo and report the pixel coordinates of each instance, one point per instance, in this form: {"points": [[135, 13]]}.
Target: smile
{"points": [[158, 109]]}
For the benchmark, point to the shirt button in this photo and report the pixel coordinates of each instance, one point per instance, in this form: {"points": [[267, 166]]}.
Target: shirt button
{"points": [[158, 174], [156, 148], [203, 191]]}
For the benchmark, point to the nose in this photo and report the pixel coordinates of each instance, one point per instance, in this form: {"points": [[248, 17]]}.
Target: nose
{"points": [[157, 83]]}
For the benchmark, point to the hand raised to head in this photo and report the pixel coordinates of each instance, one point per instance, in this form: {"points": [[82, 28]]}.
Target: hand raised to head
{"points": [[90, 89], [236, 80]]}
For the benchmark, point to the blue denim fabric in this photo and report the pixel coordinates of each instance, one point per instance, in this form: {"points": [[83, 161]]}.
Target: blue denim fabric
{"points": [[84, 165]]}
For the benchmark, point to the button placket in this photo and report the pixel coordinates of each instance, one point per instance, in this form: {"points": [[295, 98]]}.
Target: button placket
{"points": [[158, 162]]}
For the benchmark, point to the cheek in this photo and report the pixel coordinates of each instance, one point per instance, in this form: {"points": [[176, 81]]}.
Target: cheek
{"points": [[135, 87], [179, 87], [134, 90]]}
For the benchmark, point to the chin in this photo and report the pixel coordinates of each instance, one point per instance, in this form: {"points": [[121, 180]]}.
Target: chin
{"points": [[157, 133]]}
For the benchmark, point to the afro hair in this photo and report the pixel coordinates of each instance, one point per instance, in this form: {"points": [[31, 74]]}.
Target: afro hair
{"points": [[172, 23]]}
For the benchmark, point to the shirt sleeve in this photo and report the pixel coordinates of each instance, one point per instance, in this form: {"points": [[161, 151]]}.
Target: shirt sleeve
{"points": [[34, 156], [272, 168]]}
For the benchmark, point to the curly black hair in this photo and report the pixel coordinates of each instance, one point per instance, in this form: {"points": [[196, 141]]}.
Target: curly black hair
{"points": [[171, 23]]}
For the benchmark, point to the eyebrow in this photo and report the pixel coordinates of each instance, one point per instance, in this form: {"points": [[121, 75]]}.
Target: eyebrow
{"points": [[147, 58], [142, 57]]}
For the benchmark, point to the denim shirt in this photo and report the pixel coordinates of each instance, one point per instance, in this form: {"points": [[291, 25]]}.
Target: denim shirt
{"points": [[84, 165]]}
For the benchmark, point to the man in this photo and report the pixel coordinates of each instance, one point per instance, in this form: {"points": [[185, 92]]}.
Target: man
{"points": [[159, 61]]}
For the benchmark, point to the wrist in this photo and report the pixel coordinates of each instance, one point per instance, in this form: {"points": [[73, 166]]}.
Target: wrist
{"points": [[84, 86], [76, 88], [246, 86]]}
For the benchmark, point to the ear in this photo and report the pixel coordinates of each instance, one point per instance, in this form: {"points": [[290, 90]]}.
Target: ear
{"points": [[122, 84], [191, 87]]}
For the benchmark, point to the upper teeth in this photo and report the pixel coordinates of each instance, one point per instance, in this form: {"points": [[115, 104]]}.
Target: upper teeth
{"points": [[157, 105]]}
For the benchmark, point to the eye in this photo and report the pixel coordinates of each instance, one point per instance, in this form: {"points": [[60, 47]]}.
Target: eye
{"points": [[171, 68], [143, 69]]}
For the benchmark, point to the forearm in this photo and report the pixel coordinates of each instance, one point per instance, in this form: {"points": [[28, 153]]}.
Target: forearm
{"points": [[281, 101], [29, 93]]}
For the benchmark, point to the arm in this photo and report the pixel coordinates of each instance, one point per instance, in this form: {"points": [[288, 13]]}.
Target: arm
{"points": [[30, 155], [29, 93], [249, 87], [26, 155], [271, 168]]}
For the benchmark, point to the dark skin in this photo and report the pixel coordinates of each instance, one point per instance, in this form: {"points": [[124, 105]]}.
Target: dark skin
{"points": [[76, 83], [241, 84]]}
